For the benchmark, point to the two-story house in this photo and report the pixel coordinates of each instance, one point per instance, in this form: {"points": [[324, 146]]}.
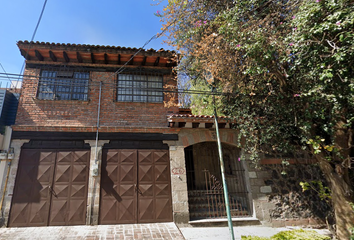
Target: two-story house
{"points": [[95, 142], [76, 116]]}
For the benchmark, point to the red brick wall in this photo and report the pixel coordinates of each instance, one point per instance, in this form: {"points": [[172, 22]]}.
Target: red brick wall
{"points": [[59, 113]]}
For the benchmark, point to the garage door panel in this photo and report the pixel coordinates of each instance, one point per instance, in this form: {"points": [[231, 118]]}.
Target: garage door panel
{"points": [[78, 191], [118, 203], [127, 173], [44, 174], [46, 186], [19, 214], [71, 180], [127, 156], [108, 190], [31, 190], [146, 174], [164, 209], [162, 173], [127, 190], [44, 156], [108, 214], [58, 213], [146, 210], [145, 157], [79, 173], [77, 211], [23, 192], [127, 210], [80, 157], [39, 213], [64, 157], [60, 191], [146, 190], [144, 183], [162, 190], [161, 157], [110, 173], [110, 156], [62, 174]]}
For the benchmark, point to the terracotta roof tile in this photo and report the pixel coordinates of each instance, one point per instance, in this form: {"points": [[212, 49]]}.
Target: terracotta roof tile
{"points": [[94, 46]]}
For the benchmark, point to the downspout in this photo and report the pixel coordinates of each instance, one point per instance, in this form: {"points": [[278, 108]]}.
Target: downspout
{"points": [[98, 121], [96, 165]]}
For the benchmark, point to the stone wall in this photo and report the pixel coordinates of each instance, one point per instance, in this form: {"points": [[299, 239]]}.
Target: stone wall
{"points": [[279, 199]]}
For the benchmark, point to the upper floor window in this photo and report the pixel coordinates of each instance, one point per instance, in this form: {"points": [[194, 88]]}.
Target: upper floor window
{"points": [[140, 88], [63, 85]]}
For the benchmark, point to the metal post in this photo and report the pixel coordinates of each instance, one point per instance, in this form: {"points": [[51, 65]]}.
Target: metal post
{"points": [[226, 192]]}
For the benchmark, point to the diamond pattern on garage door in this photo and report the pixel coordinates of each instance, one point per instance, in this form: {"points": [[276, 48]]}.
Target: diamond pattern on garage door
{"points": [[50, 188], [143, 194]]}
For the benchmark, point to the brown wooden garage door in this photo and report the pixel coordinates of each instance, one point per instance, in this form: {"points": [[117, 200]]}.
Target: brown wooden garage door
{"points": [[135, 187], [50, 188]]}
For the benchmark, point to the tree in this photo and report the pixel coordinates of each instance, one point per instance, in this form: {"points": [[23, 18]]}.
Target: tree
{"points": [[286, 70]]}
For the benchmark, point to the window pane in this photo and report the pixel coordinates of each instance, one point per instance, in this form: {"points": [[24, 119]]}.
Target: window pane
{"points": [[140, 88], [64, 86]]}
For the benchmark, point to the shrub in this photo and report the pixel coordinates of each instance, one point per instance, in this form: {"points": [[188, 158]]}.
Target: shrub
{"points": [[298, 234]]}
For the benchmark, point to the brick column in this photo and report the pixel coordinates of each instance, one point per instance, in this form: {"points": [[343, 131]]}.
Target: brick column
{"points": [[178, 184], [16, 144], [93, 196]]}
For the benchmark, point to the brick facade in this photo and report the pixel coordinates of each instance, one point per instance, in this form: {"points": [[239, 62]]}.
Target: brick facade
{"points": [[66, 115]]}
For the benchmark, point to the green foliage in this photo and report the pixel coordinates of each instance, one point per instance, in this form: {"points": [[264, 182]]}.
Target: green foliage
{"points": [[285, 69], [204, 104], [322, 191], [254, 238], [298, 234]]}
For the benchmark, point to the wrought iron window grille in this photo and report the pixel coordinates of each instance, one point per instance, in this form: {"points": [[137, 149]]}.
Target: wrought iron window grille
{"points": [[140, 87], [63, 84]]}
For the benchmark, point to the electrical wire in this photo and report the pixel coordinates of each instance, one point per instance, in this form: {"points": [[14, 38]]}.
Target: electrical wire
{"points": [[33, 35], [49, 82], [5, 73], [156, 36]]}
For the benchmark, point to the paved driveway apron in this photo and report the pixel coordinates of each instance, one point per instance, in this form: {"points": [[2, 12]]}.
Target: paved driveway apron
{"points": [[100, 232]]}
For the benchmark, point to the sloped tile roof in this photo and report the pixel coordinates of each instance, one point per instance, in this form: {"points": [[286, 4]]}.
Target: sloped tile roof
{"points": [[73, 45]]}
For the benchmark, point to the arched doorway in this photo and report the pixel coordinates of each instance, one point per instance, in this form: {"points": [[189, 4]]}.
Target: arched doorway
{"points": [[205, 190]]}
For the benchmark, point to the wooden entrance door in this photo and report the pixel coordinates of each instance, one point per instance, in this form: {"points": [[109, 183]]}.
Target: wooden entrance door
{"points": [[50, 188], [135, 186]]}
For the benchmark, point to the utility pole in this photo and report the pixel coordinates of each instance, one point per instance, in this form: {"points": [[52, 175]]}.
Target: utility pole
{"points": [[222, 168]]}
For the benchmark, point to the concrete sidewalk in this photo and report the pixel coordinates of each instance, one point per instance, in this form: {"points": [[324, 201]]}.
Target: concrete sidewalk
{"points": [[156, 231]]}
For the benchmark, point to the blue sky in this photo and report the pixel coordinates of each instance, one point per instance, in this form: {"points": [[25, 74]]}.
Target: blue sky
{"points": [[128, 23]]}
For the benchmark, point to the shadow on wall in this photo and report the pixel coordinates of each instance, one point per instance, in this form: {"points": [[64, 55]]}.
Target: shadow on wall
{"points": [[289, 198]]}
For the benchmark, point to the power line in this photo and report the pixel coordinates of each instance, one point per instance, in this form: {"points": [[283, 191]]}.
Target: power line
{"points": [[5, 73], [33, 35], [121, 69], [49, 81]]}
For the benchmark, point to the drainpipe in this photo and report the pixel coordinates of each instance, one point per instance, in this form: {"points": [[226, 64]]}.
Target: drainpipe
{"points": [[95, 170], [226, 192], [98, 121]]}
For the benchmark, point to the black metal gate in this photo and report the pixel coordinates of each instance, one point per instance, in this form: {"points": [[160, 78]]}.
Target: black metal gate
{"points": [[205, 191]]}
